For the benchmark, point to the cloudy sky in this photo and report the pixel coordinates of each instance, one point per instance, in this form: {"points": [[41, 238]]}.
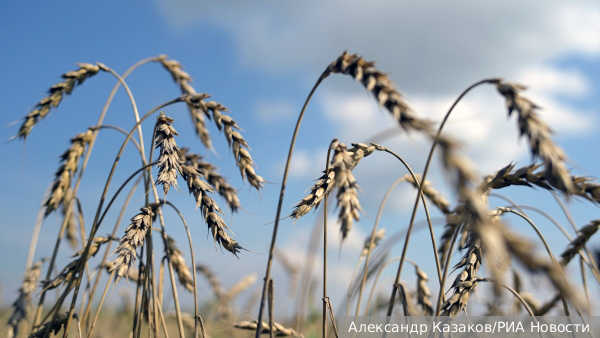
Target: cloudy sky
{"points": [[260, 60]]}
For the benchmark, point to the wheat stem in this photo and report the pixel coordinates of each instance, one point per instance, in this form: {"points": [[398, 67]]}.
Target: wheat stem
{"points": [[280, 202]]}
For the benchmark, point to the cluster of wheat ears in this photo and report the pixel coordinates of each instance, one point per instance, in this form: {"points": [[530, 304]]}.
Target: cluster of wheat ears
{"points": [[471, 226]]}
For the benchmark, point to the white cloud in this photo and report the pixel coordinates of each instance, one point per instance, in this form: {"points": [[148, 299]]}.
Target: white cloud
{"points": [[271, 112], [427, 47], [304, 164]]}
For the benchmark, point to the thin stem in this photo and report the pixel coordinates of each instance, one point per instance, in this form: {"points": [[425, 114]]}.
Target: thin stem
{"points": [[112, 274], [76, 188], [594, 264], [324, 326], [368, 307], [423, 179], [87, 311], [280, 203], [404, 249], [94, 228], [445, 274]]}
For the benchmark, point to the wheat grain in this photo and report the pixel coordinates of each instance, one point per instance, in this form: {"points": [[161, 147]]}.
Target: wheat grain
{"points": [[168, 161], [423, 292], [183, 79], [56, 94], [382, 89], [326, 182], [217, 181], [539, 135], [66, 171], [579, 242], [347, 196], [133, 238], [210, 209]]}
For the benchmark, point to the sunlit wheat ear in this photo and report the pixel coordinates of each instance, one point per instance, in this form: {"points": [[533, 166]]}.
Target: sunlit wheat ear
{"points": [[55, 326], [66, 171], [433, 195], [133, 238], [529, 176], [210, 173], [347, 196], [279, 330], [326, 182], [423, 292], [132, 275], [238, 144], [382, 89], [210, 210], [22, 304], [179, 265], [183, 79], [212, 279], [578, 243], [168, 160], [539, 135], [379, 236], [55, 96]]}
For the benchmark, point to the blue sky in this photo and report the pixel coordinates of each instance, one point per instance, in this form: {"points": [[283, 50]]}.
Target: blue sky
{"points": [[261, 60]]}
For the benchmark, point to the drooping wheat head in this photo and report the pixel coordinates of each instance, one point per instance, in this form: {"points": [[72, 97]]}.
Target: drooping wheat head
{"points": [[66, 171], [579, 242], [423, 292], [55, 95], [210, 209], [216, 180], [21, 305], [539, 135], [379, 236], [133, 238], [382, 89], [197, 111], [179, 265], [347, 196], [326, 182], [168, 160]]}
